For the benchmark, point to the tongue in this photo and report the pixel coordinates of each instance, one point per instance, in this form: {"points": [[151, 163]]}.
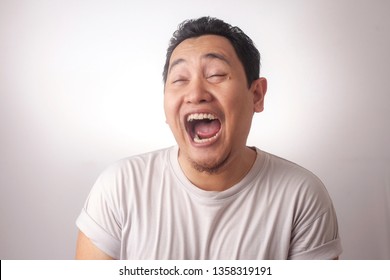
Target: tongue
{"points": [[207, 129]]}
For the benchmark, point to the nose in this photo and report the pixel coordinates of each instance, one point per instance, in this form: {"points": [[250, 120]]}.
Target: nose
{"points": [[198, 92]]}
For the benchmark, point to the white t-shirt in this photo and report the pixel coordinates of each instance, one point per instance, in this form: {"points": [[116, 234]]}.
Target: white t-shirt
{"points": [[144, 207]]}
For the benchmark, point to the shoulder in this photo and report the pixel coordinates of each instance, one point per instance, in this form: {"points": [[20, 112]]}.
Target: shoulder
{"points": [[296, 184], [291, 170], [288, 172], [300, 193], [118, 177], [137, 163]]}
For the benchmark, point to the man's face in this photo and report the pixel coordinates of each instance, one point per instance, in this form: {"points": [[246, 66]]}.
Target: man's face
{"points": [[207, 102]]}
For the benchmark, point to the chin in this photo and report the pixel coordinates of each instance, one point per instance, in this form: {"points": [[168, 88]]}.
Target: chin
{"points": [[210, 165]]}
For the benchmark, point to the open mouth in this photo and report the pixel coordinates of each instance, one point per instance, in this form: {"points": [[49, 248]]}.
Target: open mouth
{"points": [[203, 127]]}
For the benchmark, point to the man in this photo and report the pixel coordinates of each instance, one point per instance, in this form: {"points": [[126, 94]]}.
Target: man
{"points": [[212, 196]]}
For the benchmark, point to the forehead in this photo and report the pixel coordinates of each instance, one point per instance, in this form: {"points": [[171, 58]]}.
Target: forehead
{"points": [[200, 46]]}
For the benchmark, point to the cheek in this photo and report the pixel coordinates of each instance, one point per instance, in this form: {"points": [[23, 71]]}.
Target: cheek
{"points": [[238, 101], [171, 109], [168, 115], [240, 110]]}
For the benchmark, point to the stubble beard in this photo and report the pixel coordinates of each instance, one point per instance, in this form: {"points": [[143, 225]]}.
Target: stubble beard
{"points": [[208, 168]]}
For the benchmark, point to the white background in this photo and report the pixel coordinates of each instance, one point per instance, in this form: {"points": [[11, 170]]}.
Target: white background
{"points": [[81, 87]]}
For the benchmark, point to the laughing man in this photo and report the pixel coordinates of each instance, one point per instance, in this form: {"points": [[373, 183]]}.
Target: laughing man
{"points": [[211, 196]]}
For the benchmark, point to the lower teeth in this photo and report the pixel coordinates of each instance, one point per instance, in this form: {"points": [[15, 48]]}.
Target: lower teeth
{"points": [[198, 140]]}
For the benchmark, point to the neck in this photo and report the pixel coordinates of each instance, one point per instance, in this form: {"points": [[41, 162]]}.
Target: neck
{"points": [[233, 171]]}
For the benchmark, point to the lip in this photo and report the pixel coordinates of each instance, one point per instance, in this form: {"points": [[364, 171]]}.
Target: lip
{"points": [[190, 135]]}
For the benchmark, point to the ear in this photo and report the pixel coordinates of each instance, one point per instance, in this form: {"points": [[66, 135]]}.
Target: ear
{"points": [[259, 89]]}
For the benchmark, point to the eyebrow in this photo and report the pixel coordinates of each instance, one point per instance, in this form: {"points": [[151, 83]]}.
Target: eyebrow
{"points": [[206, 56], [217, 56], [176, 62]]}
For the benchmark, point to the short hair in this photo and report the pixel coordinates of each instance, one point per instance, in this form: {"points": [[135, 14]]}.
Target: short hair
{"points": [[245, 49]]}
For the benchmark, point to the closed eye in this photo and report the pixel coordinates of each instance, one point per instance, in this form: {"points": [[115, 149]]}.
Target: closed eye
{"points": [[179, 80], [216, 78]]}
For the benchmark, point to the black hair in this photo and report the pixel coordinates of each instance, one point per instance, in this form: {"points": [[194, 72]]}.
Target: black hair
{"points": [[245, 49]]}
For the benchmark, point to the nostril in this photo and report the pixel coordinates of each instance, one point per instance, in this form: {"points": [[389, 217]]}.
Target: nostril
{"points": [[198, 101], [199, 97]]}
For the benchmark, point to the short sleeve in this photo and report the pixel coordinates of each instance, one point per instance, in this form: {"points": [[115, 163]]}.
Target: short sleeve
{"points": [[99, 219], [315, 233], [317, 240]]}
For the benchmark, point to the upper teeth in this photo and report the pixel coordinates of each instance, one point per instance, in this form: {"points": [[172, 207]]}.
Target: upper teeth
{"points": [[200, 116]]}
